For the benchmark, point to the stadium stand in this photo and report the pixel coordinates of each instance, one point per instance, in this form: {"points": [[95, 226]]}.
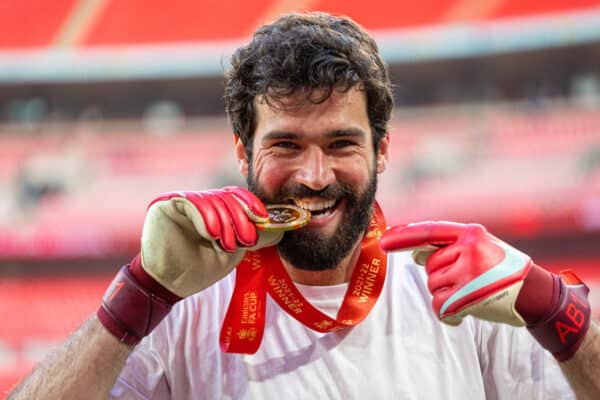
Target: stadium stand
{"points": [[22, 28], [75, 190], [499, 160], [102, 22]]}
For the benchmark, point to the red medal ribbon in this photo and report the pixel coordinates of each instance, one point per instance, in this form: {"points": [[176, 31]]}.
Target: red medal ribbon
{"points": [[262, 271]]}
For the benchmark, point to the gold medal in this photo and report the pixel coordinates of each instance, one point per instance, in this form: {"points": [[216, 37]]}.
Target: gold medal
{"points": [[284, 217]]}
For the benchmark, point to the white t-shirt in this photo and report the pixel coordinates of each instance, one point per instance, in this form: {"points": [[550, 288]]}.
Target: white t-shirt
{"points": [[400, 351]]}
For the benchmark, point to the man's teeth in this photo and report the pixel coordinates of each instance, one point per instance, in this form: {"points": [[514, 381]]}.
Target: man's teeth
{"points": [[315, 206]]}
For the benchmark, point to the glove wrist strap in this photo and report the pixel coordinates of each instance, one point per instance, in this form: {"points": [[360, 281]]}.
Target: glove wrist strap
{"points": [[563, 329], [134, 304]]}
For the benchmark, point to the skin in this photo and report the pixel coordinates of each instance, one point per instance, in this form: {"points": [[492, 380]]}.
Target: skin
{"points": [[315, 145], [582, 371], [85, 366]]}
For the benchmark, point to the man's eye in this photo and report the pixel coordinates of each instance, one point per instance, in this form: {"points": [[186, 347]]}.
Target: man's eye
{"points": [[286, 145], [340, 144]]}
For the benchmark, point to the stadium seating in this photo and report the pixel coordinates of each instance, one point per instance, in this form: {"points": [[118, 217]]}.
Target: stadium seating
{"points": [[193, 21], [22, 28], [74, 193], [523, 166]]}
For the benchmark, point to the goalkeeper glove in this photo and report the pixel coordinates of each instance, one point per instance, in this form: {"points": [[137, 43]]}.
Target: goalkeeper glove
{"points": [[471, 272], [189, 241]]}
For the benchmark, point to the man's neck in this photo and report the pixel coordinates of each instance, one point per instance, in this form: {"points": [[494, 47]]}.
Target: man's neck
{"points": [[340, 274]]}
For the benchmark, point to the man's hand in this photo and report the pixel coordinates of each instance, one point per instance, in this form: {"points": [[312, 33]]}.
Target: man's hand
{"points": [[190, 240], [471, 272]]}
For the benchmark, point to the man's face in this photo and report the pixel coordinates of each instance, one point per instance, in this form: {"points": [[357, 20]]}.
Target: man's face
{"points": [[319, 157]]}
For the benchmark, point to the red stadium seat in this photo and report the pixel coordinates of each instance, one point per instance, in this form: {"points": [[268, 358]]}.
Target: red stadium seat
{"points": [[33, 24]]}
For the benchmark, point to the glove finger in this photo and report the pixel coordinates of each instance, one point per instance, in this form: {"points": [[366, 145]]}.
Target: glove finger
{"points": [[443, 275], [165, 197], [442, 258], [226, 237], [214, 219], [253, 206], [411, 236], [209, 224], [442, 279], [422, 254], [245, 230], [442, 288]]}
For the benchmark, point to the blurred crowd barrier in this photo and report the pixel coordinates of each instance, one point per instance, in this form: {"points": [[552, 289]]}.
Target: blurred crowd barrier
{"points": [[81, 191]]}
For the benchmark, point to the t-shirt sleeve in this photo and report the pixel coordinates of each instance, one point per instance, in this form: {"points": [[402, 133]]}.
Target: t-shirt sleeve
{"points": [[515, 366], [143, 376]]}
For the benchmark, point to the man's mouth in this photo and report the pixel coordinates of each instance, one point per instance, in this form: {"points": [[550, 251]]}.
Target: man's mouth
{"points": [[317, 208]]}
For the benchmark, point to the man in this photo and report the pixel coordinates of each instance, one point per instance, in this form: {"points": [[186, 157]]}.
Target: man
{"points": [[309, 100]]}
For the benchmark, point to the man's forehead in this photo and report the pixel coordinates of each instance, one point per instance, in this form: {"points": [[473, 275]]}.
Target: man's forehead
{"points": [[306, 100], [344, 113]]}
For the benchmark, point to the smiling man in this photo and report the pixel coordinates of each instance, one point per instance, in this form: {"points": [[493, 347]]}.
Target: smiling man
{"points": [[320, 157], [218, 306]]}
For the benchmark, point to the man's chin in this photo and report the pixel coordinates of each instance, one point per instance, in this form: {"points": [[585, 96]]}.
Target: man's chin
{"points": [[315, 251]]}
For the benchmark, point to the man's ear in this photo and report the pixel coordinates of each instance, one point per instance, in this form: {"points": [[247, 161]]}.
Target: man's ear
{"points": [[242, 158], [382, 155]]}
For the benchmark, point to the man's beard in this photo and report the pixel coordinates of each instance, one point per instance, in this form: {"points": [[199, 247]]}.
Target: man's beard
{"points": [[311, 250]]}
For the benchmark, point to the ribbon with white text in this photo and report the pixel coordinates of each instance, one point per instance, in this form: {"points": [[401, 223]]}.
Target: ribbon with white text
{"points": [[262, 271]]}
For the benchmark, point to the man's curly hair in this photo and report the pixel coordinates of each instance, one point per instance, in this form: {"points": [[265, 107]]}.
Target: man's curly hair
{"points": [[314, 53]]}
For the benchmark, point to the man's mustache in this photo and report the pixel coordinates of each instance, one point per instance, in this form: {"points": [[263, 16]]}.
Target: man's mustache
{"points": [[331, 192]]}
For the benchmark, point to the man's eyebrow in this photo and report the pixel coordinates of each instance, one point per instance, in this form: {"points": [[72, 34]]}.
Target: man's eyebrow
{"points": [[350, 132], [280, 135]]}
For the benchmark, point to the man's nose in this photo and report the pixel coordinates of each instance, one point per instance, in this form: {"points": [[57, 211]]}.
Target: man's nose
{"points": [[316, 171]]}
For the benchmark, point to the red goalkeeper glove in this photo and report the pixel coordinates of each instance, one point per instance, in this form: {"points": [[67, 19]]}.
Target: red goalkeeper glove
{"points": [[190, 240], [471, 272]]}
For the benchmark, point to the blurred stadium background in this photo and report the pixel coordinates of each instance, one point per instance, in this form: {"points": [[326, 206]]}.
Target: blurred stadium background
{"points": [[105, 103]]}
